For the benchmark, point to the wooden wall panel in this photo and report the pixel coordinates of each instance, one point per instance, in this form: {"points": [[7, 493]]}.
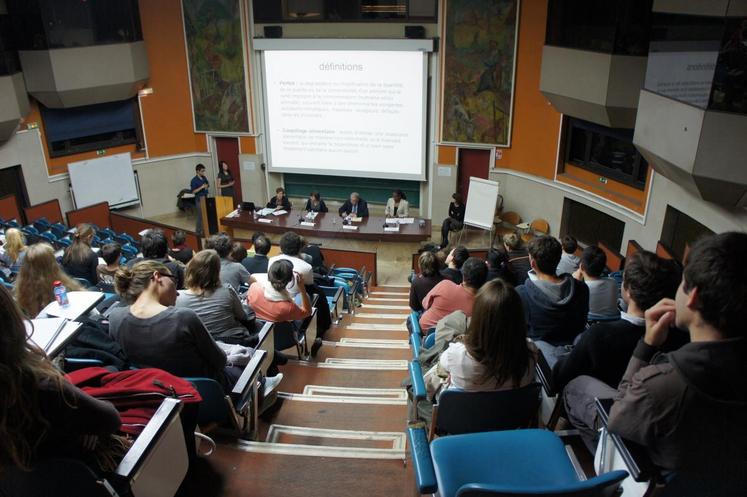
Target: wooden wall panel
{"points": [[9, 208], [97, 214], [632, 248], [664, 252], [134, 225], [351, 258], [615, 260], [49, 209]]}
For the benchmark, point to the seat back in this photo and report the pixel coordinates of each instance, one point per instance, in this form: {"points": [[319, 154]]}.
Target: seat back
{"points": [[511, 217], [540, 226], [604, 485], [469, 412], [213, 408], [53, 478]]}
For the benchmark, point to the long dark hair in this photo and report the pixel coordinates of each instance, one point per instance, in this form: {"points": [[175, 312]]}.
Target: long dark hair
{"points": [[221, 171], [496, 337]]}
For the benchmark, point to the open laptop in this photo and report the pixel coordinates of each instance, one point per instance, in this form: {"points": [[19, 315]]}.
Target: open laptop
{"points": [[247, 206]]}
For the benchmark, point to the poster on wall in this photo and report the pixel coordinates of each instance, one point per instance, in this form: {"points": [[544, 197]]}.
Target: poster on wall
{"points": [[215, 56], [478, 71]]}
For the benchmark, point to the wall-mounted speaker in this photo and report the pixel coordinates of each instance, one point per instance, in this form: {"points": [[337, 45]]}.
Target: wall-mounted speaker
{"points": [[416, 32], [273, 31]]}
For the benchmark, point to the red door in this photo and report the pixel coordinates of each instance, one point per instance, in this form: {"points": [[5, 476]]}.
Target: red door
{"points": [[228, 150], [472, 162]]}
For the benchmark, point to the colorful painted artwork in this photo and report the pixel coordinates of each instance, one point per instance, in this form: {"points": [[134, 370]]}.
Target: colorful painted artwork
{"points": [[216, 65], [478, 71]]}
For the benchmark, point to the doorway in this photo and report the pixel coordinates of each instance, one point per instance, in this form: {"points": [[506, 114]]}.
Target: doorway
{"points": [[471, 162], [227, 149], [12, 183]]}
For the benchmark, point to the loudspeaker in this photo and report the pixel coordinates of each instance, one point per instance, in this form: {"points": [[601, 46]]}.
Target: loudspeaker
{"points": [[273, 31], [417, 32]]}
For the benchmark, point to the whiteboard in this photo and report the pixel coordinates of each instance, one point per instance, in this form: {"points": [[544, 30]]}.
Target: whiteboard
{"points": [[481, 202], [104, 179]]}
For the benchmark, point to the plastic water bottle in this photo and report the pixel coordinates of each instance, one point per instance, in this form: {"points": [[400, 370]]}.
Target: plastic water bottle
{"points": [[60, 294], [238, 208]]}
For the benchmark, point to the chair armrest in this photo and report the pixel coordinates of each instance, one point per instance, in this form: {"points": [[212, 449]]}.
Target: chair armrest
{"points": [[415, 323], [416, 377], [140, 450], [639, 465], [264, 332], [422, 463], [544, 374], [415, 345], [243, 388], [338, 294]]}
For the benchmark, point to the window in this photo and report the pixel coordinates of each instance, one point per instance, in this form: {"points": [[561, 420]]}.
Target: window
{"points": [[50, 24], [680, 230], [590, 226], [266, 11], [612, 26], [92, 127], [605, 151]]}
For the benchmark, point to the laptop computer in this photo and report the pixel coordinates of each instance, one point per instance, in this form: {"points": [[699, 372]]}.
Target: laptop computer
{"points": [[247, 206]]}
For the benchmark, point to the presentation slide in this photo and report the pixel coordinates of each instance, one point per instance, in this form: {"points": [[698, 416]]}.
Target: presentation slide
{"points": [[346, 112]]}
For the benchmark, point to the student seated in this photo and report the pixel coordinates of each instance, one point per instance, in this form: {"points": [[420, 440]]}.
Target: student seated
{"points": [[14, 250], [271, 300], [497, 261], [43, 416], [35, 283], [259, 262], [569, 261], [454, 262], [688, 407], [603, 292], [233, 274], [111, 253], [424, 282], [238, 252], [279, 201], [397, 205], [217, 306], [315, 203], [355, 207], [291, 245], [494, 354], [518, 258], [181, 251], [447, 296], [154, 333], [154, 247], [555, 307], [79, 260], [602, 352]]}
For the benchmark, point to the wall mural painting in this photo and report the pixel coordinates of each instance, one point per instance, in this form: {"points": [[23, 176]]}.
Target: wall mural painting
{"points": [[478, 71], [215, 54]]}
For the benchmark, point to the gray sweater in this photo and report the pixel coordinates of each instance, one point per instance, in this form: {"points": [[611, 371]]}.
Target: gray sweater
{"points": [[174, 340], [220, 311]]}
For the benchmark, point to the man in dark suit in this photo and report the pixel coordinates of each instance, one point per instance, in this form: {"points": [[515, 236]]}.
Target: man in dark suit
{"points": [[356, 206], [258, 263]]}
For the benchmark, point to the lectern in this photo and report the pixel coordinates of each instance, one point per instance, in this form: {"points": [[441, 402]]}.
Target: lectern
{"points": [[213, 209]]}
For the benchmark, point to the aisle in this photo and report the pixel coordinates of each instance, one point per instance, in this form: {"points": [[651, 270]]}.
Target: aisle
{"points": [[340, 430]]}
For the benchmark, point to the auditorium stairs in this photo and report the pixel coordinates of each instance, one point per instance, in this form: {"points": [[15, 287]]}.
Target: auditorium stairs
{"points": [[340, 428]]}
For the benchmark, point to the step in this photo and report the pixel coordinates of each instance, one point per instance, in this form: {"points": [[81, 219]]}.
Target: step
{"points": [[337, 334], [348, 363], [378, 326], [335, 438], [391, 307], [297, 376], [261, 474], [367, 316], [380, 299], [332, 349], [339, 415]]}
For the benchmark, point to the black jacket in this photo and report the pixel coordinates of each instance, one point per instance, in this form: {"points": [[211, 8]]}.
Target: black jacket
{"points": [[256, 264], [518, 264], [555, 319], [321, 206], [83, 269], [347, 207], [273, 203]]}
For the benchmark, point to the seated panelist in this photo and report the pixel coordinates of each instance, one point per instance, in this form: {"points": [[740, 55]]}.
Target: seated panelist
{"points": [[356, 206], [397, 205], [315, 203], [279, 201]]}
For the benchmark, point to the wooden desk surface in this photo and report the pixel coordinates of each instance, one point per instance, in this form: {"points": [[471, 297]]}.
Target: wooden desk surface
{"points": [[329, 225]]}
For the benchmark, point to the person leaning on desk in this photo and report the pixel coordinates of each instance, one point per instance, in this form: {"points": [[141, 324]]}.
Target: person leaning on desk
{"points": [[355, 206], [279, 201]]}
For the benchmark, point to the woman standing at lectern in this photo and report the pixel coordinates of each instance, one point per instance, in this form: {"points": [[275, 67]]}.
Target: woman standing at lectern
{"points": [[397, 205]]}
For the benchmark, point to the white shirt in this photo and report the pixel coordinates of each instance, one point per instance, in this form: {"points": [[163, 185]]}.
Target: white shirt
{"points": [[465, 371], [300, 266]]}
